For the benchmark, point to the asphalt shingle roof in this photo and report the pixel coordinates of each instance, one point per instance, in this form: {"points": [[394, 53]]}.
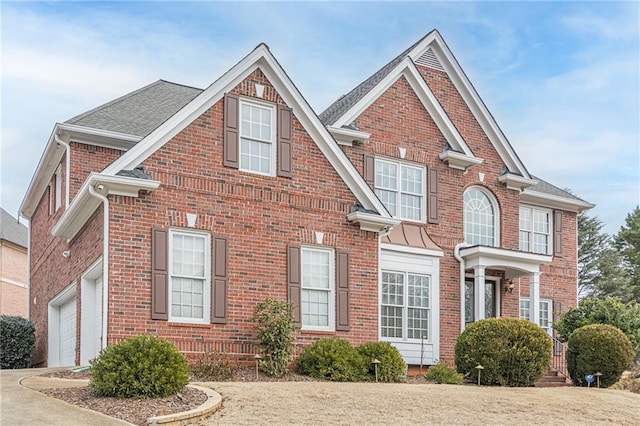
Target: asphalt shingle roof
{"points": [[12, 230], [139, 112], [547, 188]]}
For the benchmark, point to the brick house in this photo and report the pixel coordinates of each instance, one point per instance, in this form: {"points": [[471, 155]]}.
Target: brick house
{"points": [[13, 266], [401, 213]]}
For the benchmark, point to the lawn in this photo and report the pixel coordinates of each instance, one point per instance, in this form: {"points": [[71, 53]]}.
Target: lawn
{"points": [[261, 403]]}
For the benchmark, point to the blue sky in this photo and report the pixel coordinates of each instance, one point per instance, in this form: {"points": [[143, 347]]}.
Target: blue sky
{"points": [[561, 78]]}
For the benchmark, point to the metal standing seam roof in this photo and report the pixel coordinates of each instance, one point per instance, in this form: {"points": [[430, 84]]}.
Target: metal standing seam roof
{"points": [[138, 113], [12, 230]]}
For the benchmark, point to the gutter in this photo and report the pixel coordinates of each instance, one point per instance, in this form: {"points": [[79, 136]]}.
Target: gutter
{"points": [[456, 254], [105, 256]]}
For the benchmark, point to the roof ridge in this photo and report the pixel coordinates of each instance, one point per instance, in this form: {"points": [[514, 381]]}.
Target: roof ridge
{"points": [[176, 84], [358, 92]]}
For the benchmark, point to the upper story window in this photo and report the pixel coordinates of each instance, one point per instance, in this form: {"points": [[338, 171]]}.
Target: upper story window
{"points": [[317, 307], [257, 137], [481, 218], [58, 190], [189, 266], [535, 230], [401, 188]]}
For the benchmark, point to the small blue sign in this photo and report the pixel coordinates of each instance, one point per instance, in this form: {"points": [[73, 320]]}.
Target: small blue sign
{"points": [[589, 378]]}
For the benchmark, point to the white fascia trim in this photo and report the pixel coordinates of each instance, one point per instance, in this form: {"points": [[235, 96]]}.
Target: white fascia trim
{"points": [[84, 204], [347, 137], [515, 182], [472, 99], [261, 58], [554, 201], [373, 222], [411, 250], [459, 161], [496, 257], [407, 69], [53, 153]]}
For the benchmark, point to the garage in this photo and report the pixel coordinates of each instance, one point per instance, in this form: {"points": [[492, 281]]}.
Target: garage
{"points": [[62, 329]]}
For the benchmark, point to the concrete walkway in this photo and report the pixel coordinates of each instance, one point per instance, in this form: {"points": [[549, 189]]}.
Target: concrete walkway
{"points": [[20, 404]]}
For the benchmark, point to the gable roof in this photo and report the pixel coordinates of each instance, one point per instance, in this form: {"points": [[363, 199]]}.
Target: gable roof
{"points": [[260, 58], [139, 112], [544, 193], [11, 230], [434, 46]]}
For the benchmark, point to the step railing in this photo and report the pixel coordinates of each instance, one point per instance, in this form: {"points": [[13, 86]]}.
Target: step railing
{"points": [[559, 360]]}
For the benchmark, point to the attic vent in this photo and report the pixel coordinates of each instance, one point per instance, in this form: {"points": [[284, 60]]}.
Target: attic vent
{"points": [[429, 59]]}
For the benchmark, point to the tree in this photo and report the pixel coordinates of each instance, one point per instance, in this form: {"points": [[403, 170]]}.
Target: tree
{"points": [[627, 243], [599, 265]]}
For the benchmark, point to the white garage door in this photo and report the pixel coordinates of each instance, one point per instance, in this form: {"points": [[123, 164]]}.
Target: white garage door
{"points": [[68, 333]]}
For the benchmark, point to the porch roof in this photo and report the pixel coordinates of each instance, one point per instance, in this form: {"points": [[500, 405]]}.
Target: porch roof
{"points": [[514, 263]]}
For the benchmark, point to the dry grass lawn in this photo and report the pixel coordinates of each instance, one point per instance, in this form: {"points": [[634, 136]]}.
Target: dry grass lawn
{"points": [[282, 403]]}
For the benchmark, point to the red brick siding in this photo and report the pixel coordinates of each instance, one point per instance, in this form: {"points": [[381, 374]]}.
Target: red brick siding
{"points": [[86, 159], [260, 216]]}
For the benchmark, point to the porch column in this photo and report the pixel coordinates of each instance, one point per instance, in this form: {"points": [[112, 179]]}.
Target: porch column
{"points": [[534, 297], [478, 290]]}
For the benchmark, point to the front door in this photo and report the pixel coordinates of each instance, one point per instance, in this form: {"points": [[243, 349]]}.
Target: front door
{"points": [[490, 300]]}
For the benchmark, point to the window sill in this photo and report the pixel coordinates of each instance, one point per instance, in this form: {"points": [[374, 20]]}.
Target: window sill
{"points": [[189, 324]]}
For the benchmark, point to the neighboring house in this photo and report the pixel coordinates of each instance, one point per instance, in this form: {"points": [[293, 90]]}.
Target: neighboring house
{"points": [[399, 214], [13, 266]]}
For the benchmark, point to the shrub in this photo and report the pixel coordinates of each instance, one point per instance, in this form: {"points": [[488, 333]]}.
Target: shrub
{"points": [[332, 359], [274, 326], [212, 367], [442, 374], [513, 352], [140, 367], [18, 338], [391, 367], [625, 316], [598, 348]]}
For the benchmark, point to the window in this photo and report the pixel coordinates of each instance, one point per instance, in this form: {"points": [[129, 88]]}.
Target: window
{"points": [[405, 306], [401, 187], [189, 254], [317, 289], [480, 218], [545, 313], [257, 138], [58, 190], [535, 230]]}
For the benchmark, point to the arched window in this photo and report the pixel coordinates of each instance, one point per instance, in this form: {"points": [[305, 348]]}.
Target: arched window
{"points": [[480, 218]]}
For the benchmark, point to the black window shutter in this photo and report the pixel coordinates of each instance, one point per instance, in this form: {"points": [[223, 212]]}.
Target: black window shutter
{"points": [[557, 234], [342, 279], [370, 169], [231, 130], [432, 194], [219, 282], [285, 136], [293, 282], [159, 274]]}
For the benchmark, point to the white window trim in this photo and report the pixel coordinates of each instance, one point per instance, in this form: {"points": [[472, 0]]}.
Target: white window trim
{"points": [[405, 308], [549, 318], [423, 201], [332, 288], [496, 213], [531, 233], [207, 277], [274, 135]]}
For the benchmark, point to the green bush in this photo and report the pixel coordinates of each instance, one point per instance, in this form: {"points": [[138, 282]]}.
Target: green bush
{"points": [[212, 367], [513, 352], [18, 338], [391, 367], [332, 359], [442, 374], [598, 348], [140, 367], [274, 327], [625, 316]]}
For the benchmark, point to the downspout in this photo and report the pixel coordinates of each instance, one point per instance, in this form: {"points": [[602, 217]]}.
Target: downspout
{"points": [[29, 272], [67, 170], [456, 254], [105, 258]]}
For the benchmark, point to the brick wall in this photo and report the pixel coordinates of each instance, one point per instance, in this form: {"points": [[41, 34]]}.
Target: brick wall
{"points": [[259, 215]]}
